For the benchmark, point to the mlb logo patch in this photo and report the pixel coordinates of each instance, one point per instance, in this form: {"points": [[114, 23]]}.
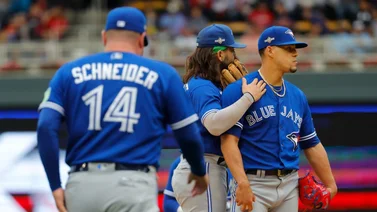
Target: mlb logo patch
{"points": [[116, 56], [121, 24]]}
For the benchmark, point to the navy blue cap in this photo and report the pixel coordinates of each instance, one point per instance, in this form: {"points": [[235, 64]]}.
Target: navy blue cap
{"points": [[127, 18], [217, 35], [278, 36]]}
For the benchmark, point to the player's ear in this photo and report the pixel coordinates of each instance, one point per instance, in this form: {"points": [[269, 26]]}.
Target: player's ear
{"points": [[103, 35], [142, 39], [220, 55], [269, 51]]}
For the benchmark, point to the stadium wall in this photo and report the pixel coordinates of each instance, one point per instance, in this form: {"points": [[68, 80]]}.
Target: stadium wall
{"points": [[320, 88]]}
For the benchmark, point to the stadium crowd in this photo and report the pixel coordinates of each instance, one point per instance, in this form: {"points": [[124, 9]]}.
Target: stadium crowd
{"points": [[351, 25]]}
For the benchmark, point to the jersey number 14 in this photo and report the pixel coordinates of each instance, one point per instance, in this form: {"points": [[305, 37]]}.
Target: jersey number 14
{"points": [[122, 109]]}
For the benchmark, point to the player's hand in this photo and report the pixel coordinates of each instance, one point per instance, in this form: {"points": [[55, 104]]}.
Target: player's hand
{"points": [[201, 184], [59, 199], [255, 88], [333, 191], [245, 197]]}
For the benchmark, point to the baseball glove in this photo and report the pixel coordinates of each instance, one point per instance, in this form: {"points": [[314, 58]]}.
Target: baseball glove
{"points": [[235, 71], [313, 193]]}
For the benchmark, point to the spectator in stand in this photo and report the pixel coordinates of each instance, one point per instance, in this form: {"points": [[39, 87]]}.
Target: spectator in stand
{"points": [[307, 16], [234, 10], [151, 16], [205, 5], [374, 22], [18, 6], [347, 9], [281, 15], [364, 15], [54, 24], [34, 20], [341, 40], [219, 9], [174, 20], [362, 39], [4, 5], [261, 15], [12, 32], [197, 20]]}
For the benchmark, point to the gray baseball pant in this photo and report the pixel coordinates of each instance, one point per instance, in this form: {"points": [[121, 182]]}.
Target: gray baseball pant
{"points": [[214, 199], [272, 193], [105, 189]]}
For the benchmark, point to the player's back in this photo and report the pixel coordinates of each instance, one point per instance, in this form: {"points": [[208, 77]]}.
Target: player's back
{"points": [[114, 104], [206, 98]]}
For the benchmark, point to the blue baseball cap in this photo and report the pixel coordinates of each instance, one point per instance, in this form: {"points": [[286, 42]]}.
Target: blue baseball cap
{"points": [[217, 35], [278, 36], [127, 18]]}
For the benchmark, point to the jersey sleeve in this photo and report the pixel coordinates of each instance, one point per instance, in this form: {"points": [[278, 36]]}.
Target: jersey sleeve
{"points": [[308, 135], [231, 94], [206, 99], [179, 110], [54, 95]]}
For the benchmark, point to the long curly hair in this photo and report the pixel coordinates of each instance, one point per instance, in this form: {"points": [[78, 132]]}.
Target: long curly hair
{"points": [[203, 63]]}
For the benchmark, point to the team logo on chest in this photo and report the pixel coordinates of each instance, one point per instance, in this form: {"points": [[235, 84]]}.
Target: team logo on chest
{"points": [[294, 137]]}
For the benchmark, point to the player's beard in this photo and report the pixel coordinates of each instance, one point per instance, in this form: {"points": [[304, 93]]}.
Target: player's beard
{"points": [[224, 64]]}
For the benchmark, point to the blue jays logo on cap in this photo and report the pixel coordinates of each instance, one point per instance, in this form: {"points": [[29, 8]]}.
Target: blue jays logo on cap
{"points": [[217, 35], [278, 36], [289, 32], [127, 18]]}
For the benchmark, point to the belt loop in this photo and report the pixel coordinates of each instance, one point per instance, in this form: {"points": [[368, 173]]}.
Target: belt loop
{"points": [[262, 173], [280, 174]]}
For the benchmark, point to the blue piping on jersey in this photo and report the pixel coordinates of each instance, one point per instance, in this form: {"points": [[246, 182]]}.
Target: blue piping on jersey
{"points": [[328, 109], [315, 109]]}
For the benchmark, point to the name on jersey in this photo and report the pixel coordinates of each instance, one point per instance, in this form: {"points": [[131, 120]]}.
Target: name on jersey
{"points": [[115, 71], [268, 111]]}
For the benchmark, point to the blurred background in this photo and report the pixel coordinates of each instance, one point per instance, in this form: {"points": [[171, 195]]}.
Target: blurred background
{"points": [[338, 73]]}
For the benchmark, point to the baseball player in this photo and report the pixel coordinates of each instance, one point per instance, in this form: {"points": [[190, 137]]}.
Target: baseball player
{"points": [[214, 54], [170, 202], [262, 149], [116, 105]]}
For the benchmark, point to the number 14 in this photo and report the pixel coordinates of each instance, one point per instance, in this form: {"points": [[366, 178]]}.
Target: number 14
{"points": [[122, 109]]}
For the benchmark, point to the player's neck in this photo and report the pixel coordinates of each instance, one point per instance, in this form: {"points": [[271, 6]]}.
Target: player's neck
{"points": [[121, 47], [272, 75]]}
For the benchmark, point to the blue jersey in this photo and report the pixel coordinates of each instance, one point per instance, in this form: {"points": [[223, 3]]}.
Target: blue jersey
{"points": [[206, 99], [274, 128], [229, 178], [117, 106]]}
